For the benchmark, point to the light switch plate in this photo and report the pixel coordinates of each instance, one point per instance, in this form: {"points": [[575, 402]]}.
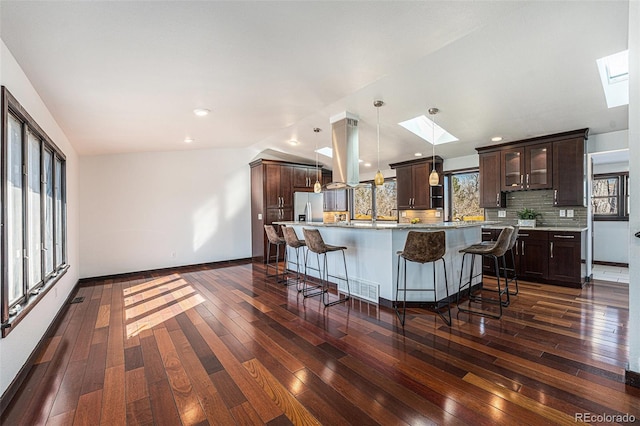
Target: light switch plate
{"points": [[569, 213], [259, 216], [404, 214], [563, 213], [502, 213], [437, 214]]}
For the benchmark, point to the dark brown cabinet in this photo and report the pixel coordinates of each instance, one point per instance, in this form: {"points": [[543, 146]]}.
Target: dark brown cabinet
{"points": [[553, 257], [547, 162], [412, 185], [305, 177], [565, 256], [531, 252], [569, 183], [526, 167], [490, 191], [272, 188]]}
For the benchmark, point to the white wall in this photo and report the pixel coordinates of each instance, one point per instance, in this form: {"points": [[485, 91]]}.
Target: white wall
{"points": [[611, 239], [16, 348], [155, 210], [634, 177]]}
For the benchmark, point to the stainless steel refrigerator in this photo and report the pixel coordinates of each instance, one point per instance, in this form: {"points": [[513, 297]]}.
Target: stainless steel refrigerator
{"points": [[307, 207]]}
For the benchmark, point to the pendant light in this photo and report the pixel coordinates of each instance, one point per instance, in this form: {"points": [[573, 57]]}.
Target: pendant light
{"points": [[434, 179], [317, 187], [379, 178]]}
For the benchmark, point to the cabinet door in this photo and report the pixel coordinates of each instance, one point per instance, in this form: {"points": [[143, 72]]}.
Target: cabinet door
{"points": [[329, 200], [490, 195], [564, 256], [404, 187], [512, 169], [341, 200], [302, 178], [533, 254], [568, 172], [272, 186], [421, 191], [538, 166], [488, 266], [286, 186]]}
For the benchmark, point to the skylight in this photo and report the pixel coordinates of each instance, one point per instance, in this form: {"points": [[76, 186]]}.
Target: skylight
{"points": [[423, 127], [614, 76], [326, 151]]}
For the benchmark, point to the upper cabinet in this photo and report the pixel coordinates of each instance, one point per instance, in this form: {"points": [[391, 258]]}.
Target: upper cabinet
{"points": [[490, 178], [569, 167], [547, 162], [412, 185], [526, 167], [305, 177]]}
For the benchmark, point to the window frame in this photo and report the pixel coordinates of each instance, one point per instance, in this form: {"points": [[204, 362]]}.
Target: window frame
{"points": [[622, 197], [448, 192], [30, 295]]}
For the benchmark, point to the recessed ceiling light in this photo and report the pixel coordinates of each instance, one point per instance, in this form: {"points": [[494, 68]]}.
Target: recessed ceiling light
{"points": [[360, 161], [293, 142], [417, 154], [188, 140], [201, 112], [367, 164], [496, 139]]}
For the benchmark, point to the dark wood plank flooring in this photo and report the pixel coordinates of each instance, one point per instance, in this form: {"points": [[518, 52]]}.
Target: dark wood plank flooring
{"points": [[227, 346]]}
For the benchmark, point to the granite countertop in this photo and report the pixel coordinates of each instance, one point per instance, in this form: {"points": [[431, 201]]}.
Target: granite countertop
{"points": [[394, 225], [499, 225]]}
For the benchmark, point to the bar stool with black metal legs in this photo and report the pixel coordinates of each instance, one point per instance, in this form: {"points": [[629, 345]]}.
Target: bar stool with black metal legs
{"points": [[316, 244], [291, 238], [278, 241], [495, 251], [422, 247], [510, 273]]}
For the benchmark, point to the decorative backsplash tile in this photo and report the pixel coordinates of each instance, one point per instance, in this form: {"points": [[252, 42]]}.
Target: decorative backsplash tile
{"points": [[541, 201]]}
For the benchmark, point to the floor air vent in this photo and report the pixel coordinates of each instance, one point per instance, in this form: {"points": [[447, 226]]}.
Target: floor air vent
{"points": [[77, 300]]}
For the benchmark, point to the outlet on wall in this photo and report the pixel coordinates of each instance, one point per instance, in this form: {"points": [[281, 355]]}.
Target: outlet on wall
{"points": [[502, 213], [259, 216], [569, 213], [437, 214], [404, 214], [562, 213]]}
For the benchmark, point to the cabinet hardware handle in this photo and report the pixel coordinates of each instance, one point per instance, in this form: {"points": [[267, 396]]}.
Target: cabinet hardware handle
{"points": [[498, 199], [563, 236], [523, 248], [521, 180], [552, 249], [555, 196], [523, 235], [527, 179], [486, 233]]}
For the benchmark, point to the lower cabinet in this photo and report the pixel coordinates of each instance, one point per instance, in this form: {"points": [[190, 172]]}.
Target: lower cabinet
{"points": [[543, 256]]}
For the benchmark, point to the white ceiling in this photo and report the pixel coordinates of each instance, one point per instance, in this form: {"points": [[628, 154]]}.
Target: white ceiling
{"points": [[125, 76]]}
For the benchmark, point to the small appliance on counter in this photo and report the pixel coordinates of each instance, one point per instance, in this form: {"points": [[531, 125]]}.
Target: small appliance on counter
{"points": [[308, 206]]}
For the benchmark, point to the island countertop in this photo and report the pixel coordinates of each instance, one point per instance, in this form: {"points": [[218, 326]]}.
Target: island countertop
{"points": [[372, 259], [394, 225]]}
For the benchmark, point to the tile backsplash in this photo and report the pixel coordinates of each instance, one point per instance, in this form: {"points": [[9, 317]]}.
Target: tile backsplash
{"points": [[542, 202]]}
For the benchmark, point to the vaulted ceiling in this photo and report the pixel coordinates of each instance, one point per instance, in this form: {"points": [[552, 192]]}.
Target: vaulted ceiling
{"points": [[125, 76]]}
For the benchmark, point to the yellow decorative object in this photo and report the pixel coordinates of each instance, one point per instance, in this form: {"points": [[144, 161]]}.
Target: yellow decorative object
{"points": [[415, 220]]}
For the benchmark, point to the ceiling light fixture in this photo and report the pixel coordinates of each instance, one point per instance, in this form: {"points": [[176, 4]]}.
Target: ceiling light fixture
{"points": [[317, 187], [379, 178], [201, 112], [496, 139], [434, 179], [417, 154], [188, 140], [293, 142]]}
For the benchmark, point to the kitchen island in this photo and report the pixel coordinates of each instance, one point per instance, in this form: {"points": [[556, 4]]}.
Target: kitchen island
{"points": [[372, 260]]}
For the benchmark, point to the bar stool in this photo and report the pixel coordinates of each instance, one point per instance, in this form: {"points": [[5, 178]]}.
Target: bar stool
{"points": [[495, 251], [291, 238], [316, 244], [509, 270], [276, 240], [422, 247]]}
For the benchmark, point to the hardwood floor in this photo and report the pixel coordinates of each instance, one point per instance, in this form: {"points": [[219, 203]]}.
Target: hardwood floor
{"points": [[227, 346]]}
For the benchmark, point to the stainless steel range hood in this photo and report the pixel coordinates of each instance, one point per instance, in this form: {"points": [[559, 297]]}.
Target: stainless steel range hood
{"points": [[344, 135]]}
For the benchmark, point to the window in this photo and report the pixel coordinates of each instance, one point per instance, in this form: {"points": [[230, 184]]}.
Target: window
{"points": [[34, 220], [610, 196], [384, 198], [464, 196]]}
